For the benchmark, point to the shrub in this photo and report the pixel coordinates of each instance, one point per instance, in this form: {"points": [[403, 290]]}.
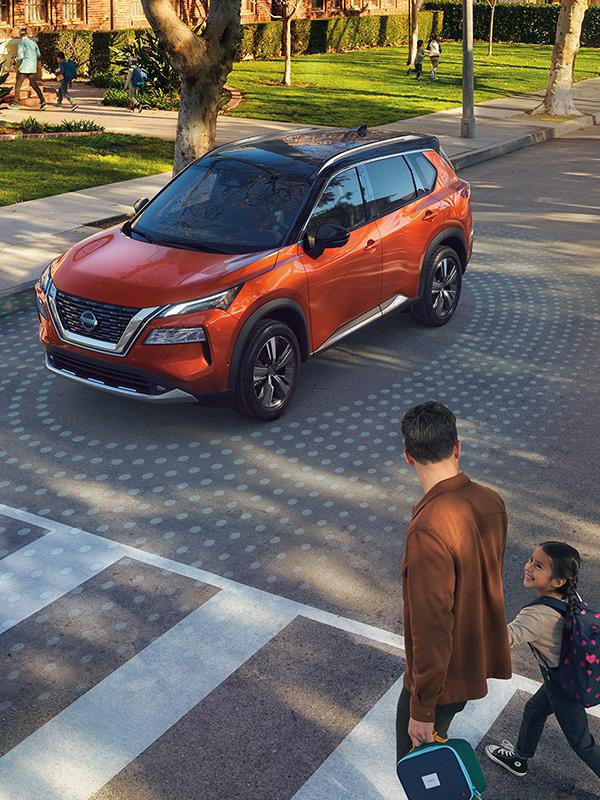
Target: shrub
{"points": [[300, 35], [4, 90], [151, 56], [528, 23], [33, 125], [76, 45], [100, 50], [106, 80], [116, 97]]}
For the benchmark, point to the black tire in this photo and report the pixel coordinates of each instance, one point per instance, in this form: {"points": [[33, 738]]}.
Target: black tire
{"points": [[263, 389], [441, 289]]}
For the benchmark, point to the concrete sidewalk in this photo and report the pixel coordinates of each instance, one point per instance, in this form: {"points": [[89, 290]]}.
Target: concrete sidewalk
{"points": [[34, 232]]}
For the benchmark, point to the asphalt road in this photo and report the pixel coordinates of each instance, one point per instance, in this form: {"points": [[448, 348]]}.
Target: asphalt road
{"points": [[313, 508]]}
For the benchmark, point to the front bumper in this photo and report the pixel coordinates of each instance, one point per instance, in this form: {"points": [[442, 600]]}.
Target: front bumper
{"points": [[114, 383], [154, 373]]}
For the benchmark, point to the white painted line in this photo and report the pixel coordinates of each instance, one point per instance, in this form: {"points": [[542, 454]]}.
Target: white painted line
{"points": [[120, 550], [363, 766], [47, 569], [82, 748]]}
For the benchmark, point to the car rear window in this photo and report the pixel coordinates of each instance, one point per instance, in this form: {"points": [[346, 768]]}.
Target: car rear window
{"points": [[227, 204], [389, 184], [424, 172]]}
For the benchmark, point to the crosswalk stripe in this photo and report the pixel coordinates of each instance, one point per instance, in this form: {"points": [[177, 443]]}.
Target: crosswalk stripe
{"points": [[83, 747], [47, 569], [363, 764]]}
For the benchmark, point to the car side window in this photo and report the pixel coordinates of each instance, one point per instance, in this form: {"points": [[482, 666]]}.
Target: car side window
{"points": [[340, 204], [424, 172], [389, 184]]}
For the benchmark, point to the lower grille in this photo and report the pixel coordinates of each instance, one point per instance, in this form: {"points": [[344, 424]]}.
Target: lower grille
{"points": [[110, 320], [110, 376]]}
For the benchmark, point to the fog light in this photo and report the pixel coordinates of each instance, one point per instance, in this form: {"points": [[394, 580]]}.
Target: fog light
{"points": [[175, 336]]}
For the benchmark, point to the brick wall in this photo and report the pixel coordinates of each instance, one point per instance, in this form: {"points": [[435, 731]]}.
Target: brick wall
{"points": [[40, 15]]}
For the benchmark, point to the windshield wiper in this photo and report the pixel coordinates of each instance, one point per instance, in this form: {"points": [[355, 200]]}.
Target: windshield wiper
{"points": [[143, 234], [198, 246]]}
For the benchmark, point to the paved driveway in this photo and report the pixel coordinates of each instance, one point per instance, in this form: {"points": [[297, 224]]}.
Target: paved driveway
{"points": [[313, 509]]}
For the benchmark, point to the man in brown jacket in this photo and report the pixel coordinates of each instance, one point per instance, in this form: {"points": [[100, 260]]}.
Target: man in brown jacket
{"points": [[454, 623]]}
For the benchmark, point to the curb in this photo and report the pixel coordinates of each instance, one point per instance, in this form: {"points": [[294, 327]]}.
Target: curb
{"points": [[20, 297], [535, 137], [11, 137]]}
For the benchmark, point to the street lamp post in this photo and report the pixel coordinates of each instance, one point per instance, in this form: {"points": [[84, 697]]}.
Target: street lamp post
{"points": [[467, 125]]}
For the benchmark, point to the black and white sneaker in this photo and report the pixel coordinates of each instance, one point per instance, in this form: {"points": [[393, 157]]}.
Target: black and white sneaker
{"points": [[504, 754]]}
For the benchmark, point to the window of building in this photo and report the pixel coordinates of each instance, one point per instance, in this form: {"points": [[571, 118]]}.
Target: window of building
{"points": [[318, 5], [5, 12], [337, 3], [248, 6], [36, 10], [389, 185], [137, 10], [341, 203], [73, 10]]}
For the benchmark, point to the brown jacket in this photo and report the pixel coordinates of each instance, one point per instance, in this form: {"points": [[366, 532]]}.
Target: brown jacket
{"points": [[454, 624]]}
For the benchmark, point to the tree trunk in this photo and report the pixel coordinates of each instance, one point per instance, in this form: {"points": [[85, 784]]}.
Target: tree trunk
{"points": [[491, 39], [414, 33], [558, 101], [287, 51], [203, 62]]}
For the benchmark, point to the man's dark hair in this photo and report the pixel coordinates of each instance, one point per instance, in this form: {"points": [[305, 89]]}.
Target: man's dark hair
{"points": [[60, 54], [22, 31], [429, 431]]}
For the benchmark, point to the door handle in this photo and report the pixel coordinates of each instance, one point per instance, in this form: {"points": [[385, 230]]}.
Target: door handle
{"points": [[429, 215], [371, 245]]}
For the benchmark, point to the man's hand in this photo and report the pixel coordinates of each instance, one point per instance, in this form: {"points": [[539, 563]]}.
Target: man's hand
{"points": [[420, 732]]}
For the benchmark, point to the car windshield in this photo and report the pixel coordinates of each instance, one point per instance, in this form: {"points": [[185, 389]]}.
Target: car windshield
{"points": [[225, 204]]}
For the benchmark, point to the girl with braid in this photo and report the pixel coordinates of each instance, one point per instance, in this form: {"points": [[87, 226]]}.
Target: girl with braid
{"points": [[552, 571]]}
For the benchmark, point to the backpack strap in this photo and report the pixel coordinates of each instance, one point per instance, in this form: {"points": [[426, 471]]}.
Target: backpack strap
{"points": [[551, 602]]}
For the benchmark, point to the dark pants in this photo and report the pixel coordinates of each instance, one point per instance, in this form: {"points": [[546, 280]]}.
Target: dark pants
{"points": [[443, 717], [63, 91], [32, 82], [570, 716], [418, 69]]}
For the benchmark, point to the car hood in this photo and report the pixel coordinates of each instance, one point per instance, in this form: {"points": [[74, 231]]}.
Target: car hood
{"points": [[112, 268]]}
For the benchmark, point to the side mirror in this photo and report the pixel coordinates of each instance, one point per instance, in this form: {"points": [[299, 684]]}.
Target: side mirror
{"points": [[326, 236], [139, 204]]}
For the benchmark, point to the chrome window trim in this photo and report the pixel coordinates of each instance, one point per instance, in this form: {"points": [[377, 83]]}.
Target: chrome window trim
{"points": [[338, 156], [134, 328]]}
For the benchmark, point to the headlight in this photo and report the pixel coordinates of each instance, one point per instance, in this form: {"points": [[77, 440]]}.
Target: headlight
{"points": [[44, 278], [175, 336], [221, 300]]}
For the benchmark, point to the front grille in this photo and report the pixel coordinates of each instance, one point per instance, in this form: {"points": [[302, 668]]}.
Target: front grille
{"points": [[112, 320], [110, 376]]}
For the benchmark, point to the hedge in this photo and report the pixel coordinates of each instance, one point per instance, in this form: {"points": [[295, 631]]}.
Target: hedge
{"points": [[263, 40], [515, 22], [91, 50]]}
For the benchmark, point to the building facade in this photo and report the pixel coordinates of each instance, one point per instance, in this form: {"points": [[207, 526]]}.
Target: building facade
{"points": [[41, 15]]}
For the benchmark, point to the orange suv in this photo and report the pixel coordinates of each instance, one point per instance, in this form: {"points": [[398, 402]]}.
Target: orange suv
{"points": [[256, 256]]}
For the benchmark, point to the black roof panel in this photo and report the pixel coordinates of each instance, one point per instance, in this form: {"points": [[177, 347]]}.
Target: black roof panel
{"points": [[306, 150]]}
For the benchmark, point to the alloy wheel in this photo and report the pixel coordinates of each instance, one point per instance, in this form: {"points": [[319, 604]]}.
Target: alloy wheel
{"points": [[274, 372], [445, 286]]}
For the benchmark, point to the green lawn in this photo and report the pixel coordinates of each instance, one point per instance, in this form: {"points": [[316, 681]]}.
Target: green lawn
{"points": [[371, 86], [51, 166]]}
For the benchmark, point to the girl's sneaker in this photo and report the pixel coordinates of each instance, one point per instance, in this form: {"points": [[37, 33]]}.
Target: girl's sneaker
{"points": [[504, 754]]}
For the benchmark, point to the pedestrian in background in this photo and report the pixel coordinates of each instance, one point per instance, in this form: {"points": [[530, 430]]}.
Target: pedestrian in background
{"points": [[66, 72], [419, 59], [135, 80], [552, 571], [434, 48], [454, 620], [28, 54]]}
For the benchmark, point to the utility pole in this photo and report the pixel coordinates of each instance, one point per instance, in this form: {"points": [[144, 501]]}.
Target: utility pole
{"points": [[467, 124]]}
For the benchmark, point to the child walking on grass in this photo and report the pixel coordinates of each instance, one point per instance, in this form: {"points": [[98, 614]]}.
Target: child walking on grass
{"points": [[552, 571]]}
